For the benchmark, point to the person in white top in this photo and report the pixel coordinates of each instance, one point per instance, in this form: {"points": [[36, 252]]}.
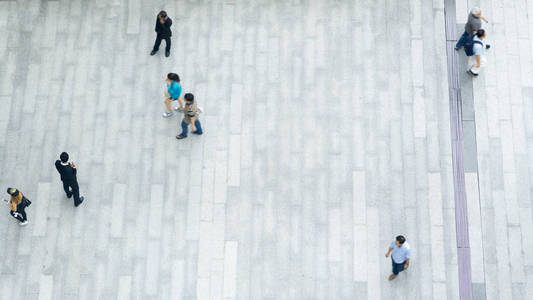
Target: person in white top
{"points": [[477, 61]]}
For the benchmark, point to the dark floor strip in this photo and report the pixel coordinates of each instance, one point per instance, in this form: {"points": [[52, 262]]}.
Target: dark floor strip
{"points": [[461, 210]]}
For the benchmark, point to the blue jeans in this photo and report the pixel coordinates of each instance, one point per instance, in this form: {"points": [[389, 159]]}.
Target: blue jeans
{"points": [[185, 128], [462, 40], [397, 268]]}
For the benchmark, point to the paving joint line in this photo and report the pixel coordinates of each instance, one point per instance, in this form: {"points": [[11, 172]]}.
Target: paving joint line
{"points": [[457, 140]]}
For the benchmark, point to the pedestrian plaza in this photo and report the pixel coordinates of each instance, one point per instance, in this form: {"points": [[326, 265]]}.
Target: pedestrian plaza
{"points": [[329, 129]]}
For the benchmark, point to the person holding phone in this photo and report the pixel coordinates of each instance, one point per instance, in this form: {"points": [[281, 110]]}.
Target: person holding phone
{"points": [[17, 204], [162, 27], [68, 172]]}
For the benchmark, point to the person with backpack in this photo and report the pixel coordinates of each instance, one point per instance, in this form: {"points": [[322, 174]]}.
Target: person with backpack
{"points": [[17, 204], [472, 25], [173, 93], [475, 50]]}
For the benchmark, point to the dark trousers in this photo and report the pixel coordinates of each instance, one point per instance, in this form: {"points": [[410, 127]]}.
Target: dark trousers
{"points": [[185, 128], [158, 42], [72, 189], [397, 268], [21, 215]]}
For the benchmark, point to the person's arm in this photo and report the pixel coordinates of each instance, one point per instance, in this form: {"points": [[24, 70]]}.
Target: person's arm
{"points": [[193, 119], [168, 23], [156, 20], [388, 252], [406, 265], [483, 18], [478, 60], [57, 166]]}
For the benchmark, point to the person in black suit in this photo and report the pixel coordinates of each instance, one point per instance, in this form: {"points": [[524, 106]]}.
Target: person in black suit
{"points": [[162, 27], [68, 176]]}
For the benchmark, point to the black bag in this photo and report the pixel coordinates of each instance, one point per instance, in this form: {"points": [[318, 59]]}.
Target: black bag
{"points": [[25, 201]]}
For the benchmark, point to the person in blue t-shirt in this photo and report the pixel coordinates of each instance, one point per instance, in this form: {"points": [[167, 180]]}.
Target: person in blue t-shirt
{"points": [[173, 93]]}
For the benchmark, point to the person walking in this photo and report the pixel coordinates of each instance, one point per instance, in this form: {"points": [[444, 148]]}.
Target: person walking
{"points": [[173, 93], [17, 204], [401, 254], [472, 25], [190, 116], [68, 177], [162, 27], [477, 60]]}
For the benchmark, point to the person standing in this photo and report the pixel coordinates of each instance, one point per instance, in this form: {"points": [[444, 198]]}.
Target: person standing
{"points": [[17, 204], [68, 177], [173, 93], [162, 27], [401, 254], [477, 61], [472, 25], [190, 116]]}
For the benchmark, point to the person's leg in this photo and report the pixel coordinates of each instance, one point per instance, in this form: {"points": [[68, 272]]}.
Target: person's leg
{"points": [[168, 102], [22, 212], [472, 65], [184, 129], [167, 40], [157, 43], [461, 41], [397, 268], [198, 127], [16, 215], [67, 189], [75, 192]]}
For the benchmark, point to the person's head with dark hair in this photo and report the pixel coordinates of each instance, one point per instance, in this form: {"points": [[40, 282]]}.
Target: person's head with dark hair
{"points": [[162, 14], [173, 77], [400, 240], [189, 98], [481, 33], [63, 157], [13, 192]]}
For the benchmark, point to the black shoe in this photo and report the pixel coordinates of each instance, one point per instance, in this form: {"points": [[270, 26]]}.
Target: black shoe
{"points": [[69, 195], [196, 132], [167, 53], [487, 46], [179, 137], [153, 52], [81, 200], [457, 49]]}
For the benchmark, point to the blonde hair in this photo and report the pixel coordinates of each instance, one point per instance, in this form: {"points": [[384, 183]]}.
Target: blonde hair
{"points": [[475, 11]]}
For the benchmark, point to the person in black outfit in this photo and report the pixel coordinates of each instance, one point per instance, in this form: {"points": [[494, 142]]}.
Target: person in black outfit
{"points": [[162, 27], [68, 176]]}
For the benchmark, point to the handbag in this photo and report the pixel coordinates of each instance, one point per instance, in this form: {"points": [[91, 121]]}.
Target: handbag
{"points": [[25, 201]]}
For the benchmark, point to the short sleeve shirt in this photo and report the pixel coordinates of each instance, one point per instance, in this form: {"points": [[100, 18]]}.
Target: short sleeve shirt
{"points": [[479, 49], [174, 89], [189, 112], [473, 24], [400, 254]]}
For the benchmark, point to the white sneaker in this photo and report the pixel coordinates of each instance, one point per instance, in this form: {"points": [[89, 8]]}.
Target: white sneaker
{"points": [[168, 114], [23, 223]]}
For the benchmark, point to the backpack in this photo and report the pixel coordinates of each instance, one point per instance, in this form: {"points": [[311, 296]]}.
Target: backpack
{"points": [[25, 201], [469, 45]]}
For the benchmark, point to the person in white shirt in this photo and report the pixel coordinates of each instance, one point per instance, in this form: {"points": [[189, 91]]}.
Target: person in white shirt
{"points": [[477, 61], [401, 254]]}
